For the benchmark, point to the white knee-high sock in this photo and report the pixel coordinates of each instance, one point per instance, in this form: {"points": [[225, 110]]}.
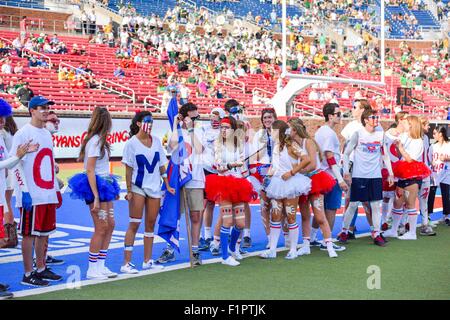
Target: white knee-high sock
{"points": [[386, 210], [348, 216], [275, 230], [293, 236], [397, 215], [314, 232], [423, 206], [412, 220], [375, 206]]}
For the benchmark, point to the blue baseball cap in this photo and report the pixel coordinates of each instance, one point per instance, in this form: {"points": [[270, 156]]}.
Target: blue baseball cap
{"points": [[39, 101]]}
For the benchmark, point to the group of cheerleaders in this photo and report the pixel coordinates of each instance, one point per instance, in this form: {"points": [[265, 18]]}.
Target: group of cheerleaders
{"points": [[283, 165]]}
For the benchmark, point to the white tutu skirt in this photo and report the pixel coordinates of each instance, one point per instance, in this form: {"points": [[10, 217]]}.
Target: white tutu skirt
{"points": [[292, 188], [257, 185]]}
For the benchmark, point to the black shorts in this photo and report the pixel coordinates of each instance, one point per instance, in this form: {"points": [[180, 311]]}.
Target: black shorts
{"points": [[366, 189], [408, 182]]}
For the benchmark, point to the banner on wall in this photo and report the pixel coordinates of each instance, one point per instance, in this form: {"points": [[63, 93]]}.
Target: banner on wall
{"points": [[72, 131]]}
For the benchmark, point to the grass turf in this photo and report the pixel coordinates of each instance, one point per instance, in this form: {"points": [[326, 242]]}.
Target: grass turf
{"points": [[409, 270]]}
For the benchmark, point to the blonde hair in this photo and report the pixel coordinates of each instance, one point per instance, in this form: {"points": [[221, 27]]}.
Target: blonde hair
{"points": [[415, 127], [300, 128]]}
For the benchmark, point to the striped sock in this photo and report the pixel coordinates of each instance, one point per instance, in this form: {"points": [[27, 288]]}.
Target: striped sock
{"points": [[194, 249], [93, 257], [412, 220], [275, 230], [224, 232], [396, 218], [216, 240], [293, 236], [235, 233], [101, 258]]}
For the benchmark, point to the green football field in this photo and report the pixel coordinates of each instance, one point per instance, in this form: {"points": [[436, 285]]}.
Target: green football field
{"points": [[405, 270]]}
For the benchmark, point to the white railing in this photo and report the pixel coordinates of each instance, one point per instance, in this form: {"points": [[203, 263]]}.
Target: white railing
{"points": [[25, 50], [133, 93], [102, 84], [307, 110], [232, 83], [147, 104], [189, 3], [261, 90]]}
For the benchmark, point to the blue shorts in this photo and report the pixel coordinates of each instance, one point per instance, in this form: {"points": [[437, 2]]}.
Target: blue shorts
{"points": [[333, 199], [366, 189]]}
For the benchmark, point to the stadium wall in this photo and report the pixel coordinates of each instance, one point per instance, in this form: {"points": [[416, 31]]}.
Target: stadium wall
{"points": [[57, 25]]}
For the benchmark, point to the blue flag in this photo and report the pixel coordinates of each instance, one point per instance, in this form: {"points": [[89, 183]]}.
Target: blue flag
{"points": [[178, 174]]}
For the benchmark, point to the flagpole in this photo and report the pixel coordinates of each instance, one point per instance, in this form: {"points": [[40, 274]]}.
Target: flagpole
{"points": [[187, 212]]}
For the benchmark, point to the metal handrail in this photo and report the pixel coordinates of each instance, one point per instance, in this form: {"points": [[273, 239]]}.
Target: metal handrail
{"points": [[101, 81], [230, 81], [133, 96], [190, 3], [261, 90], [313, 114], [32, 51], [150, 97]]}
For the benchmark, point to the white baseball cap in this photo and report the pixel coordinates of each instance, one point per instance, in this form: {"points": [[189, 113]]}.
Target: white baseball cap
{"points": [[220, 111]]}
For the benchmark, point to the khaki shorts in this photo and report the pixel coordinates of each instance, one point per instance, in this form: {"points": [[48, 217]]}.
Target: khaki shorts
{"points": [[194, 198]]}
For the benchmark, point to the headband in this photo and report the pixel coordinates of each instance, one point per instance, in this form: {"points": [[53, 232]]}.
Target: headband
{"points": [[225, 120]]}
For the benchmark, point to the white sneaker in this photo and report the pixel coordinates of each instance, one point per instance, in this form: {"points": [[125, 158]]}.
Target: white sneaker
{"points": [[129, 268], [268, 255], [93, 274], [268, 246], [291, 255], [230, 261], [287, 243], [390, 234], [332, 253], [433, 224], [304, 251], [108, 273], [150, 264], [236, 254], [408, 236]]}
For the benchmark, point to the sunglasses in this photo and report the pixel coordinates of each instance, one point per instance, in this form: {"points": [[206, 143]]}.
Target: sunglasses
{"points": [[337, 114], [374, 117]]}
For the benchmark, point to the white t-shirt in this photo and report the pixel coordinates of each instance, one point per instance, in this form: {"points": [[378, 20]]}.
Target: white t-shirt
{"points": [[390, 137], [209, 136], [348, 132], [194, 161], [260, 140], [92, 150], [367, 154], [38, 167], [145, 162], [441, 170], [414, 147], [3, 156], [328, 140]]}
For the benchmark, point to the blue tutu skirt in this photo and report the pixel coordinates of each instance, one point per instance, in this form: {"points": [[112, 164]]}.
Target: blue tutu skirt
{"points": [[107, 186]]}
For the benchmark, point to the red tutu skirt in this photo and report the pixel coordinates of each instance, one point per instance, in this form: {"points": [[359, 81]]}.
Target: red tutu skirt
{"points": [[228, 188], [410, 170], [385, 175], [322, 182]]}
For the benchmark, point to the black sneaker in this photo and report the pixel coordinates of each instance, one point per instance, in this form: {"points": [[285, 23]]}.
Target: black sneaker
{"points": [[52, 261], [167, 256], [384, 239], [6, 295], [34, 281], [246, 242], [196, 259], [351, 235], [447, 221], [4, 287], [48, 275]]}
